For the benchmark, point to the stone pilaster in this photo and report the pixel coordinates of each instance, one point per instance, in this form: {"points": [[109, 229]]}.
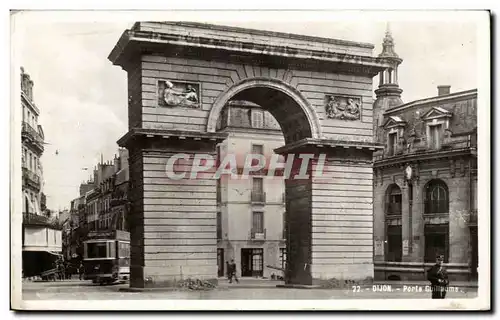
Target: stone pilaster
{"points": [[405, 223], [418, 224], [379, 223], [459, 234]]}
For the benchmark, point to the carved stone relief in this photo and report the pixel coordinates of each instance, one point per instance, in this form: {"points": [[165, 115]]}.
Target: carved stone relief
{"points": [[343, 107], [178, 94]]}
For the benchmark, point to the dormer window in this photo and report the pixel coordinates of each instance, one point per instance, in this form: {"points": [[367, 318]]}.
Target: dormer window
{"points": [[392, 143], [257, 119], [394, 126], [437, 121], [435, 136]]}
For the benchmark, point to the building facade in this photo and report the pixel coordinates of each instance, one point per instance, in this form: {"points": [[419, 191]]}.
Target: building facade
{"points": [[41, 232], [425, 180], [101, 206], [250, 212]]}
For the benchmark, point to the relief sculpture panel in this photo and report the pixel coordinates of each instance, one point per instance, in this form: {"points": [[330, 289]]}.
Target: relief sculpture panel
{"points": [[178, 94], [343, 107]]}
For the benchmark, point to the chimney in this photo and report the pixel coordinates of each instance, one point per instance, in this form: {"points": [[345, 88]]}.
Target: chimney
{"points": [[443, 90], [116, 163]]}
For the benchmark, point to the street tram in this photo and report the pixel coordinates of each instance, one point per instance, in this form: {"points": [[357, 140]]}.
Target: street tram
{"points": [[106, 256]]}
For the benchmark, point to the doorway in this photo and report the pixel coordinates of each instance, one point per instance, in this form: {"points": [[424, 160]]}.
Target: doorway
{"points": [[394, 244], [220, 262], [252, 262], [474, 253]]}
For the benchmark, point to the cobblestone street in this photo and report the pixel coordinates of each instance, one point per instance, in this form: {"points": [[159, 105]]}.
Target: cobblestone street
{"points": [[246, 289]]}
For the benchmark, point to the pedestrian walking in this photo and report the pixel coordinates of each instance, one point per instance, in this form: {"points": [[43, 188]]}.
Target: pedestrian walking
{"points": [[232, 270], [438, 277], [228, 272], [81, 271]]}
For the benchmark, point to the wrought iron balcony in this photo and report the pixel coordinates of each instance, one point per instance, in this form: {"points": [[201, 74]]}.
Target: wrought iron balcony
{"points": [[31, 219], [31, 179], [258, 197], [29, 133], [393, 208], [258, 234], [436, 206]]}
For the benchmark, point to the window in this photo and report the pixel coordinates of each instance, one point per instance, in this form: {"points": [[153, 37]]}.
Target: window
{"points": [[258, 222], [123, 250], [258, 185], [435, 133], [436, 197], [283, 258], [96, 250], [258, 190], [257, 260], [257, 149], [257, 119], [24, 114], [392, 143], [29, 117], [30, 163], [111, 249], [219, 225], [394, 199]]}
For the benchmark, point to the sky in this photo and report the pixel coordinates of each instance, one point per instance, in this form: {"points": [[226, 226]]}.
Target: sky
{"points": [[83, 97]]}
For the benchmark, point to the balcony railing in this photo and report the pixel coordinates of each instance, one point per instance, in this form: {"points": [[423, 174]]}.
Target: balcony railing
{"points": [[258, 197], [393, 208], [29, 132], [258, 234], [31, 179], [32, 219], [436, 206]]}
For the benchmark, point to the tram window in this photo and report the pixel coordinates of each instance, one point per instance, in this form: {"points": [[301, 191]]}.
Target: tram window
{"points": [[96, 250], [111, 250], [124, 250]]}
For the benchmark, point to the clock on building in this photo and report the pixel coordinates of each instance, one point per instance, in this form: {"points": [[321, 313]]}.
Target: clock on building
{"points": [[408, 172]]}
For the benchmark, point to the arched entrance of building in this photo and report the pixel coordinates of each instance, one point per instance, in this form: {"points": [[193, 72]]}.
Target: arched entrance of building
{"points": [[321, 98]]}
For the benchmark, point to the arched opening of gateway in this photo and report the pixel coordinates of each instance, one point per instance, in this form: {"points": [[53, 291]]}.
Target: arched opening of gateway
{"points": [[252, 221], [296, 117]]}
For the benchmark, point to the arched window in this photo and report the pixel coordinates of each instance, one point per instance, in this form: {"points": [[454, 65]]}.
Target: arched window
{"points": [[436, 197], [393, 200]]}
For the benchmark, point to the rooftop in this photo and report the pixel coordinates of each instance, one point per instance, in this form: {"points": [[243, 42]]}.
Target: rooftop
{"points": [[433, 100]]}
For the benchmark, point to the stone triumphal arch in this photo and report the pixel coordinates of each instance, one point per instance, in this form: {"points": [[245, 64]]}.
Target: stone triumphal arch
{"points": [[180, 76]]}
